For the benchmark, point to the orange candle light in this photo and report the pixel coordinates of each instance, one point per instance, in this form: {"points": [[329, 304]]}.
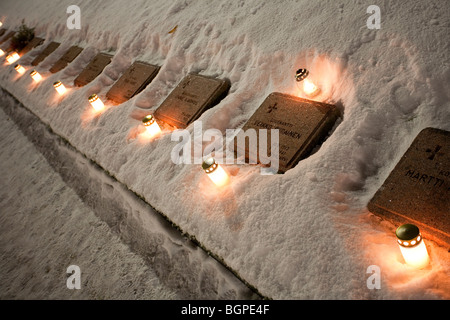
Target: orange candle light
{"points": [[215, 172], [36, 76], [20, 69], [151, 126], [96, 103], [2, 53], [12, 57], [412, 246], [309, 88], [59, 87]]}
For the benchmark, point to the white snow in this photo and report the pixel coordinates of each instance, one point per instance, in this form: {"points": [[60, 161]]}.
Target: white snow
{"points": [[33, 266], [305, 234]]}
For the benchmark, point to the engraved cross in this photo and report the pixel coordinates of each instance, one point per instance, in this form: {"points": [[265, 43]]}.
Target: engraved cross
{"points": [[272, 107], [433, 153]]}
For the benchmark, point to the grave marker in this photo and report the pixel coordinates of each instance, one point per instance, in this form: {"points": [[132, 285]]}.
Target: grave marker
{"points": [[45, 53], [36, 41], [302, 125], [8, 36], [192, 96], [417, 190], [93, 69], [66, 58], [133, 81]]}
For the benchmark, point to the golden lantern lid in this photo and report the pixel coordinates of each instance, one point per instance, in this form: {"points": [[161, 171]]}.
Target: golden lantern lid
{"points": [[301, 74], [407, 232], [57, 83], [210, 164], [93, 97], [408, 235], [148, 120]]}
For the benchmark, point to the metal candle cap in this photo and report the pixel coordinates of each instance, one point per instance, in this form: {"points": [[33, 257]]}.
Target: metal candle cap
{"points": [[93, 97], [209, 165], [408, 235], [57, 84], [148, 120], [32, 73], [17, 66], [301, 74]]}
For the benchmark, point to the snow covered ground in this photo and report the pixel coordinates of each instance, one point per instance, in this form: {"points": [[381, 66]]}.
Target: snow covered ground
{"points": [[303, 235], [79, 208], [45, 228]]}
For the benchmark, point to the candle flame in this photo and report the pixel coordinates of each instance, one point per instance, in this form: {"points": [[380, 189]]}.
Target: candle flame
{"points": [[59, 87], [13, 57], [96, 103], [310, 88], [219, 176]]}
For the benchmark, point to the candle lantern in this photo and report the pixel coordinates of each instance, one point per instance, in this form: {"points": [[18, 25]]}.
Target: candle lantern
{"points": [[20, 69], [36, 76], [309, 88], [59, 87], [412, 246], [12, 57], [2, 53], [96, 103], [215, 172], [151, 126]]}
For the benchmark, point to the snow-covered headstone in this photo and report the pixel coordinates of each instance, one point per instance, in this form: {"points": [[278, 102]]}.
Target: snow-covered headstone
{"points": [[45, 53], [302, 125], [417, 190], [133, 81], [193, 95], [66, 58], [93, 69], [8, 36], [36, 41]]}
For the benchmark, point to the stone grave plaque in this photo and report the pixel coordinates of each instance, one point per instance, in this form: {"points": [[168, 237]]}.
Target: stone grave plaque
{"points": [[133, 81], [302, 124], [417, 190], [66, 58], [8, 36], [36, 41], [45, 53], [93, 69], [193, 95]]}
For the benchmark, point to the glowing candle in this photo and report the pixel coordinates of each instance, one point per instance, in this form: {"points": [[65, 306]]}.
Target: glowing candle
{"points": [[96, 103], [152, 127], [19, 69], [36, 76], [12, 57], [59, 87], [309, 88], [412, 246], [2, 53], [215, 172], [1, 24]]}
